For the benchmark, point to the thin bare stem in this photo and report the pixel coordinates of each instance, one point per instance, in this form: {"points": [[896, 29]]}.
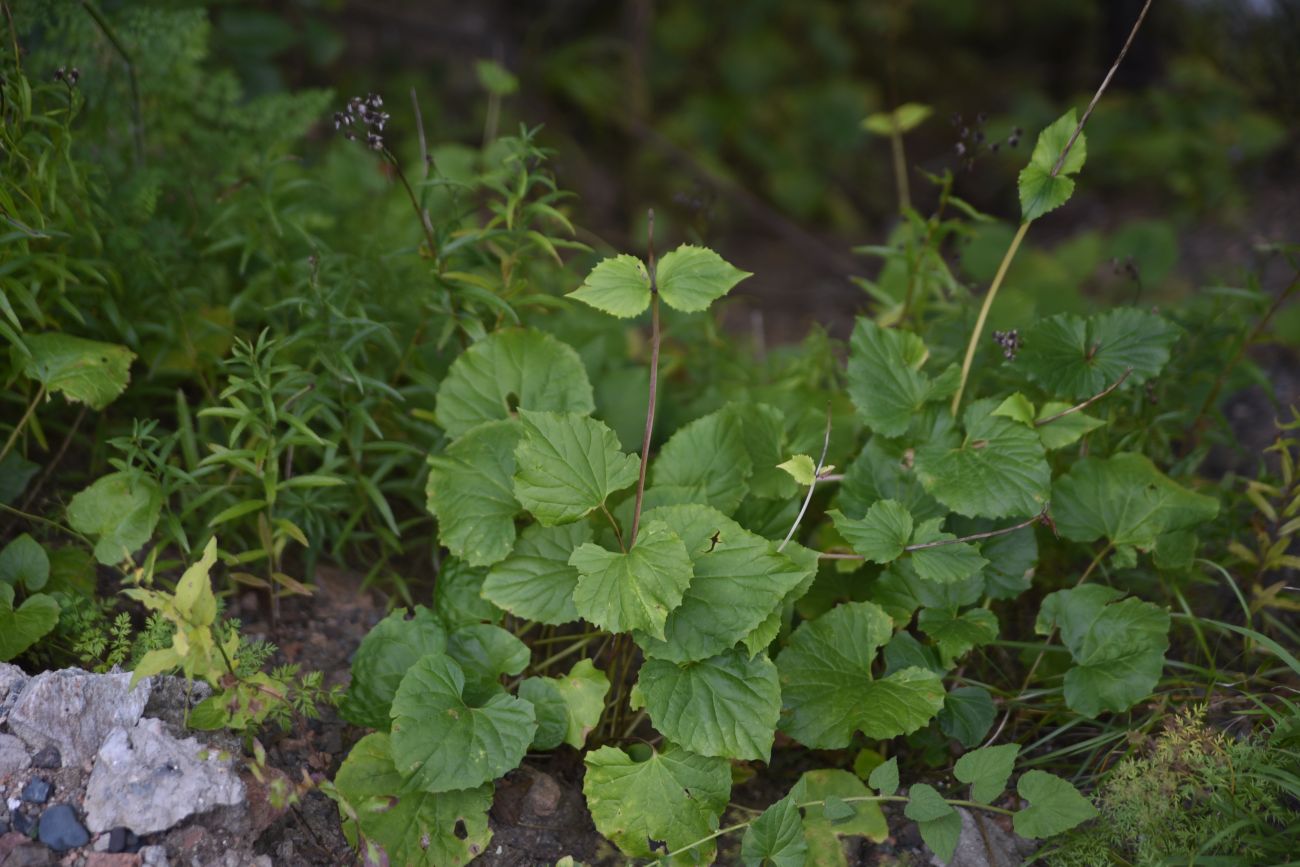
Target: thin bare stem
{"points": [[419, 131], [1087, 403], [22, 422], [617, 533], [415, 202], [900, 168], [826, 444], [654, 374]]}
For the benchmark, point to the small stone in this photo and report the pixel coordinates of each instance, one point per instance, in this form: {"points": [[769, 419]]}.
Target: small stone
{"points": [[154, 856], [29, 855], [100, 843], [47, 758], [61, 830], [37, 791], [543, 796], [13, 756], [122, 840], [23, 823]]}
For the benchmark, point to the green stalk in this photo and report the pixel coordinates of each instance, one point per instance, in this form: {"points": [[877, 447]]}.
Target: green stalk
{"points": [[984, 312]]}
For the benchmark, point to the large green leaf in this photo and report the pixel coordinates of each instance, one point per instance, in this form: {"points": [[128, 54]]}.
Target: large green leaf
{"points": [[703, 462], [619, 285], [1125, 499], [881, 534], [1040, 190], [944, 564], [885, 378], [739, 580], [987, 770], [457, 595], [536, 581], [652, 802], [119, 511], [1118, 647], [386, 653], [485, 653], [84, 371], [1055, 806], [394, 822], [776, 837], [23, 627], [567, 465], [820, 832], [512, 368], [957, 633], [726, 705], [621, 591], [23, 561], [692, 278], [828, 689], [471, 492], [997, 470], [1075, 358], [568, 707], [442, 743]]}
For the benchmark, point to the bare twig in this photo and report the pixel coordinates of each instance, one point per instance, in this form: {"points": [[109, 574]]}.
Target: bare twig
{"points": [[654, 374], [1079, 407], [826, 444]]}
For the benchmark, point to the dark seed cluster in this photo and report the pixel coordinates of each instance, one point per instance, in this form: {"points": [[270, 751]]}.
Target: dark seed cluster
{"points": [[363, 119], [67, 75], [973, 142], [1009, 341]]}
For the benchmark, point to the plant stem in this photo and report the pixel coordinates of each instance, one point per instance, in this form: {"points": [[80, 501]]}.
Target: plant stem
{"points": [[900, 168], [826, 444], [55, 524], [137, 117], [22, 422], [617, 533], [1087, 403], [654, 375], [415, 203], [984, 312]]}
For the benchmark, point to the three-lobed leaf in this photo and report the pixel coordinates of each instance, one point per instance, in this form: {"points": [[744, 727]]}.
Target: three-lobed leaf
{"points": [[567, 465], [634, 589]]}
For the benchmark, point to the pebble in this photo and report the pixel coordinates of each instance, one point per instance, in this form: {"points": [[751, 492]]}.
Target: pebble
{"points": [[154, 856], [22, 823], [122, 840], [61, 830], [47, 758], [37, 791]]}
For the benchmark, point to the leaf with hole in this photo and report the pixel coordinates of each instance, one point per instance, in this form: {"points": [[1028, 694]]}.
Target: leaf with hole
{"points": [[386, 653]]}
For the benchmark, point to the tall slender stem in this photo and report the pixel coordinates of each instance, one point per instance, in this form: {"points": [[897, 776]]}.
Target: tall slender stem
{"points": [[654, 377], [22, 422], [821, 461], [900, 168]]}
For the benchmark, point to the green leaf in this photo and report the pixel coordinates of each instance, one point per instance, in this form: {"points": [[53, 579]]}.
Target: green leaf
{"points": [[1017, 407], [997, 470], [1040, 192], [726, 706], [801, 468], [442, 743], [905, 118], [884, 471], [21, 628], [567, 465], [456, 595], [884, 779], [485, 653], [945, 564], [939, 823], [1066, 430], [511, 368], [536, 581], [1055, 806], [885, 378], [925, 804], [1074, 358], [967, 715], [703, 462], [569, 706], [837, 811], [84, 371], [619, 286], [652, 802], [24, 561], [776, 837], [1125, 499], [822, 835], [762, 430], [471, 492], [955, 634], [194, 600], [15, 472], [692, 278], [386, 653], [987, 770], [633, 590], [739, 580], [119, 511], [408, 826], [881, 534], [1118, 647], [495, 78], [828, 689]]}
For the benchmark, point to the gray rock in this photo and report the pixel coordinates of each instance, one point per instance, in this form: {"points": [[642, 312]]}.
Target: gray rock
{"points": [[170, 698], [983, 843], [154, 856], [12, 681], [74, 711], [61, 830], [148, 781], [13, 756]]}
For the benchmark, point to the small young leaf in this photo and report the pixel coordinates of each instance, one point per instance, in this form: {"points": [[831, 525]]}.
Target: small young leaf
{"points": [[24, 561], [442, 743], [1055, 806], [567, 465], [692, 278], [837, 811], [471, 492], [725, 706], [84, 371], [881, 534], [987, 770], [120, 511], [619, 286], [776, 837], [386, 653], [904, 119], [512, 368], [801, 468], [633, 590], [1017, 407], [1064, 430], [664, 799], [884, 779], [568, 707], [495, 78], [1040, 191], [536, 581]]}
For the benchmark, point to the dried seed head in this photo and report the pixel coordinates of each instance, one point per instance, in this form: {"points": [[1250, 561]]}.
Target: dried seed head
{"points": [[1009, 341]]}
